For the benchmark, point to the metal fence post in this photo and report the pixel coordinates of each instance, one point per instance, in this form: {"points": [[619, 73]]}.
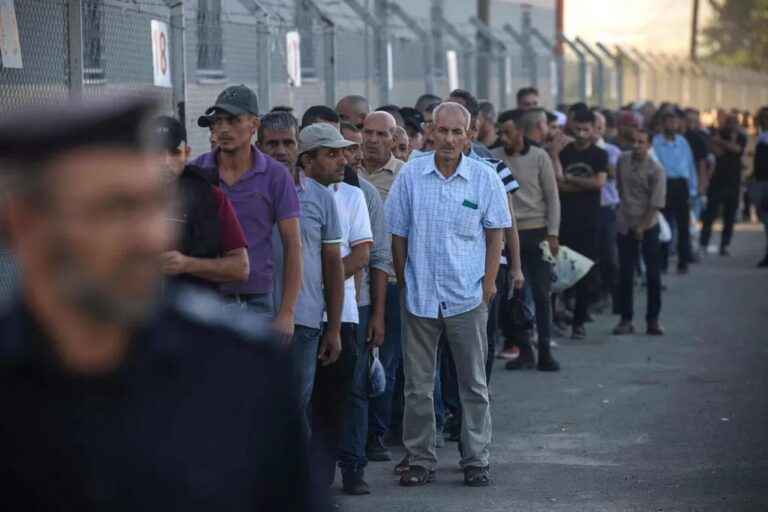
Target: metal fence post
{"points": [[529, 52], [558, 60], [75, 50], [600, 86], [635, 68], [652, 67], [582, 65], [263, 42], [329, 50], [468, 50], [178, 64], [382, 37], [524, 44], [426, 38], [619, 71], [486, 32]]}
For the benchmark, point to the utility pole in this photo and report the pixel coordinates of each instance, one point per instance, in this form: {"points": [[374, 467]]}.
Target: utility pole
{"points": [[694, 29], [483, 51]]}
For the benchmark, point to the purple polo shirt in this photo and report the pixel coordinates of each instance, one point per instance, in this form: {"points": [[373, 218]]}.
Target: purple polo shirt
{"points": [[262, 196]]}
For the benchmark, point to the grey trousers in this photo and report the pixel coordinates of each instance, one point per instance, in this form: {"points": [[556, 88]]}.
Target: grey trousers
{"points": [[466, 335]]}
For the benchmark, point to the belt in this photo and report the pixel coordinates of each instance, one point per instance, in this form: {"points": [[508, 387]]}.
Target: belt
{"points": [[242, 297], [611, 206]]}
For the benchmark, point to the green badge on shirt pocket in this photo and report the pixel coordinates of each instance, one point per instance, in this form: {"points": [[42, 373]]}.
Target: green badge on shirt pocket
{"points": [[469, 204]]}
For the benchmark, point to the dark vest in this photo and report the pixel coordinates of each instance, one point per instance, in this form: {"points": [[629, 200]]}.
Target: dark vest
{"points": [[200, 237]]}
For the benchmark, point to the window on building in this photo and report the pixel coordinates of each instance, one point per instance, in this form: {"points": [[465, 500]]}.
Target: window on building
{"points": [[210, 45]]}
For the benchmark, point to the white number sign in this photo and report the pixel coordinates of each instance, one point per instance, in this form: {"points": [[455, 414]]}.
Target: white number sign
{"points": [[161, 60]]}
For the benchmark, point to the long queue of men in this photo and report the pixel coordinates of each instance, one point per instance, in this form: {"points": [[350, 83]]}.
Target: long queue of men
{"points": [[399, 236]]}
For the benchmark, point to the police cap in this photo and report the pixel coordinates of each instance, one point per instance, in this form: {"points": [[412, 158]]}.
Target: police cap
{"points": [[39, 134]]}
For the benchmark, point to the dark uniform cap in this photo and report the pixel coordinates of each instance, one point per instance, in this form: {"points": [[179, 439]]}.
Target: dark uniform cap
{"points": [[39, 134], [413, 118], [167, 133], [235, 100]]}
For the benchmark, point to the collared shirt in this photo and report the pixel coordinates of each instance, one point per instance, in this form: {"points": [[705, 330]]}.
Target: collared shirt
{"points": [[262, 197], [320, 226], [609, 194], [383, 178], [381, 249], [355, 230], [642, 185], [443, 220], [677, 159]]}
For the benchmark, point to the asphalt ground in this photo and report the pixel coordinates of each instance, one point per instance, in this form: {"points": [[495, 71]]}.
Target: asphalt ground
{"points": [[635, 423]]}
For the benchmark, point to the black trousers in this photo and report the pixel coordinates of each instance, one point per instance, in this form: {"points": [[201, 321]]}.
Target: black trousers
{"points": [[677, 211], [722, 191], [629, 249], [538, 275], [608, 263], [333, 384], [493, 319], [582, 238]]}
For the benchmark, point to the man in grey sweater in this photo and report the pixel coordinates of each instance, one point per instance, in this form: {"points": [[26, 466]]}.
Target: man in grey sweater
{"points": [[537, 212]]}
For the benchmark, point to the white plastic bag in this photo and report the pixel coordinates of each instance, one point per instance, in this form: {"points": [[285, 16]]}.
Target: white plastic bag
{"points": [[665, 232], [568, 266]]}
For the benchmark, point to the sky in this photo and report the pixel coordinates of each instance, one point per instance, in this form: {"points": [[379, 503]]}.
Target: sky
{"points": [[654, 25]]}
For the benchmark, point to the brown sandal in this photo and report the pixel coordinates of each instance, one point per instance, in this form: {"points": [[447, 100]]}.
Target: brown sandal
{"points": [[404, 466], [418, 476]]}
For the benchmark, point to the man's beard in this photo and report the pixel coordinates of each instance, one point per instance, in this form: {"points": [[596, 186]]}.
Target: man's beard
{"points": [[97, 300]]}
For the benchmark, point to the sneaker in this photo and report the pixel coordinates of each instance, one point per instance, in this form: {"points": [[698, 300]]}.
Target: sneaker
{"points": [[682, 270], [724, 251], [439, 439], [764, 262], [553, 344], [654, 329], [711, 249], [624, 328], [375, 450], [578, 332], [353, 482], [510, 353]]}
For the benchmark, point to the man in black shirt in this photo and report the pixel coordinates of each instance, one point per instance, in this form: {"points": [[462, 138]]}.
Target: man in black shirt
{"points": [[585, 171], [728, 144]]}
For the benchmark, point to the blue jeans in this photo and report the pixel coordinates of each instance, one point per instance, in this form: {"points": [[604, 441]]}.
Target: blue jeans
{"points": [[304, 346], [355, 431], [262, 304], [390, 354]]}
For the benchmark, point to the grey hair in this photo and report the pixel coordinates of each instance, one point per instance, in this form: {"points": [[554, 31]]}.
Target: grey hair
{"points": [[532, 117], [357, 100], [277, 121], [449, 106], [400, 131]]}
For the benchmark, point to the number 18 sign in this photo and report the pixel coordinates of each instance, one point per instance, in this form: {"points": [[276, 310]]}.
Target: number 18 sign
{"points": [[160, 57]]}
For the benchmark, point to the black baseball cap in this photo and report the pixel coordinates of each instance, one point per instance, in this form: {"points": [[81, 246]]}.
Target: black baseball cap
{"points": [[235, 100], [412, 118], [167, 133]]}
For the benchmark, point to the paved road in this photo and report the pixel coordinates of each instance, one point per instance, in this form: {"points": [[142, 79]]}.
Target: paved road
{"points": [[631, 423]]}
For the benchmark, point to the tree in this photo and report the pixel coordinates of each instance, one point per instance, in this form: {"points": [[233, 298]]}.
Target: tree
{"points": [[737, 34]]}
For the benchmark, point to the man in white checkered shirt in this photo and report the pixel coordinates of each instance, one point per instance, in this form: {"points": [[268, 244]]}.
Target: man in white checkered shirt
{"points": [[446, 215]]}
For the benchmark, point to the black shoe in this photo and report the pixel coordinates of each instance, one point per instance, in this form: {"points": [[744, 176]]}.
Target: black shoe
{"points": [[353, 482], [724, 251], [764, 262], [375, 450], [547, 364], [654, 329], [578, 332], [525, 361]]}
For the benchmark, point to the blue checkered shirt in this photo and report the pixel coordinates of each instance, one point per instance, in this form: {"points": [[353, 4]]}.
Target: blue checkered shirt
{"points": [[443, 220]]}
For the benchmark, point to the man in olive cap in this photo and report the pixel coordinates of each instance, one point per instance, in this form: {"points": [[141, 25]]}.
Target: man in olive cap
{"points": [[263, 194], [112, 398]]}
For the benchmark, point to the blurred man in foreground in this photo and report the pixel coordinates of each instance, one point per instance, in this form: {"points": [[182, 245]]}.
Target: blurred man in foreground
{"points": [[111, 399]]}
